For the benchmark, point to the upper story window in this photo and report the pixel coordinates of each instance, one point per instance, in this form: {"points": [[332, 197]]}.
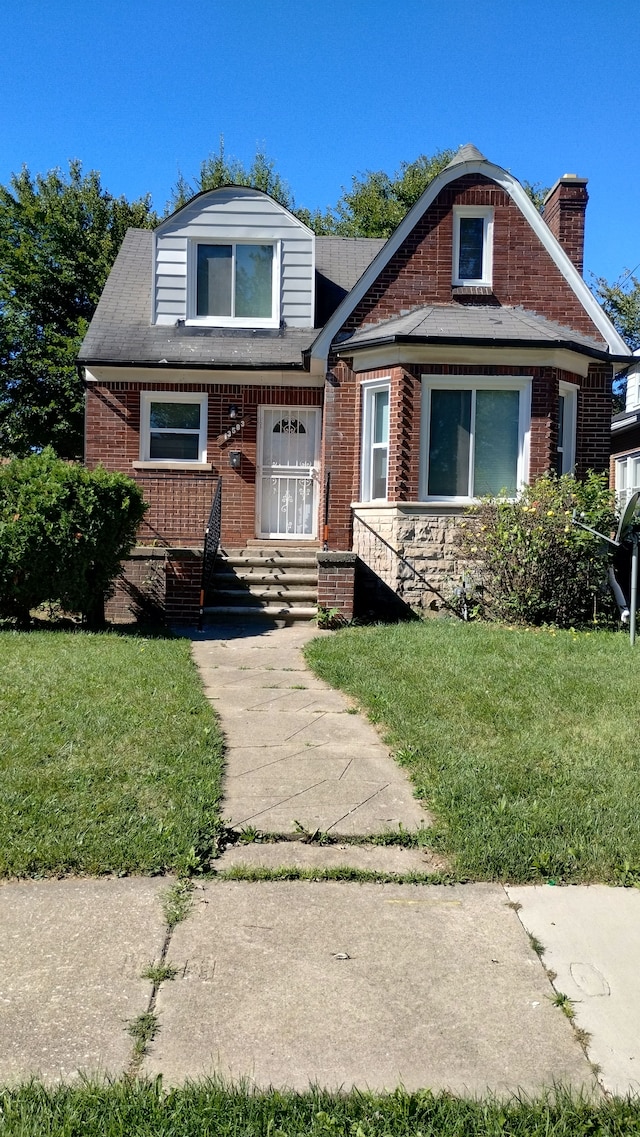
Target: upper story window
{"points": [[474, 437], [627, 478], [235, 284], [472, 244], [375, 441], [173, 426]]}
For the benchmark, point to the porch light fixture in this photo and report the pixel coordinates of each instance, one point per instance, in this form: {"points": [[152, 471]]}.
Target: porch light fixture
{"points": [[233, 411], [235, 458]]}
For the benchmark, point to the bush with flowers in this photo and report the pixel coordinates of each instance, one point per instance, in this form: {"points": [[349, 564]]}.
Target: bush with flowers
{"points": [[531, 564]]}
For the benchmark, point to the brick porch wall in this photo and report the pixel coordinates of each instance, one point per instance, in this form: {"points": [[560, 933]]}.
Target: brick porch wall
{"points": [[157, 585]]}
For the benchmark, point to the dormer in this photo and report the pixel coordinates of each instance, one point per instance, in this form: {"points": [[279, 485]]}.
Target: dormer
{"points": [[233, 258]]}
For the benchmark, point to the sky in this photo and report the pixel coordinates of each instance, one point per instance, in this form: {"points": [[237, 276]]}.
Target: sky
{"points": [[143, 90]]}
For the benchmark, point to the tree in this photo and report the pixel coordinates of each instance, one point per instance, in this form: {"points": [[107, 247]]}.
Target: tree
{"points": [[59, 235], [621, 302], [377, 202], [219, 170]]}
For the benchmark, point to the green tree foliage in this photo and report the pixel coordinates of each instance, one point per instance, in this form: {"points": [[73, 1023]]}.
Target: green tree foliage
{"points": [[621, 302], [531, 563], [63, 532], [59, 235], [220, 170], [376, 202]]}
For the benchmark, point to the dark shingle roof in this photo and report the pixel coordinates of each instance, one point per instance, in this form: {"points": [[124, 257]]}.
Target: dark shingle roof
{"points": [[478, 324], [121, 332]]}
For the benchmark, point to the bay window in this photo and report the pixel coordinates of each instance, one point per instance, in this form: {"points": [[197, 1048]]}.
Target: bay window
{"points": [[475, 435]]}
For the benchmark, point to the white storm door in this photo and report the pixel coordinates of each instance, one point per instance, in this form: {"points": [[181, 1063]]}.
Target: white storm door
{"points": [[289, 451]]}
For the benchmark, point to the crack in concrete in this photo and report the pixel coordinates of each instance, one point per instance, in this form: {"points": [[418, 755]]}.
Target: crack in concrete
{"points": [[356, 807], [265, 765], [277, 804]]}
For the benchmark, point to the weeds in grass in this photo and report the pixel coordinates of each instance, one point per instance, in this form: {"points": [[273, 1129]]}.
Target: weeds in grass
{"points": [[177, 902], [159, 973], [335, 872], [142, 1030]]}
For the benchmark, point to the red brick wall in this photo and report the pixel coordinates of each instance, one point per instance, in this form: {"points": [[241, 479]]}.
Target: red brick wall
{"points": [[157, 585], [564, 212], [593, 432], [336, 582], [180, 500], [523, 272]]}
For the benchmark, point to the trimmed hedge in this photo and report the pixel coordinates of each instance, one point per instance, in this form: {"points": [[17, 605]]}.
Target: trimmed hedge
{"points": [[63, 532]]}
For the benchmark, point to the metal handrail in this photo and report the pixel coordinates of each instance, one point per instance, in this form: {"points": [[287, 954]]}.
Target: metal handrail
{"points": [[211, 546]]}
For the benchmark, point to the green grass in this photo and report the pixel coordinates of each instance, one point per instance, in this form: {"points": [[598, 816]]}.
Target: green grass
{"points": [[143, 1109], [523, 743], [110, 755]]}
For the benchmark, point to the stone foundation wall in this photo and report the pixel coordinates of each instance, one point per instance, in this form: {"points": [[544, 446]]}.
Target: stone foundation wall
{"points": [[425, 538]]}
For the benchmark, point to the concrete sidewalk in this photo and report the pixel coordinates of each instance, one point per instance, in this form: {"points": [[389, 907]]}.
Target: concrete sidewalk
{"points": [[334, 983], [298, 757]]}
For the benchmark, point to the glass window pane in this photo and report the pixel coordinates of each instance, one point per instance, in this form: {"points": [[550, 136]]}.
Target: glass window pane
{"points": [[449, 444], [179, 416], [214, 280], [495, 465], [379, 473], [254, 278], [471, 242], [181, 447], [381, 416], [621, 475]]}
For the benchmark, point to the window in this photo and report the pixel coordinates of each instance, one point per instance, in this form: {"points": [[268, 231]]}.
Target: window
{"points": [[627, 478], [173, 427], [375, 442], [566, 449], [234, 284], [472, 245], [474, 437]]}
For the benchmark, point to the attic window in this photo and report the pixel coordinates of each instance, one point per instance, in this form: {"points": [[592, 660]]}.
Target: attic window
{"points": [[235, 284], [472, 245]]}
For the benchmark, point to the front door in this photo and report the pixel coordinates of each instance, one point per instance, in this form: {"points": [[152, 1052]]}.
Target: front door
{"points": [[288, 458]]}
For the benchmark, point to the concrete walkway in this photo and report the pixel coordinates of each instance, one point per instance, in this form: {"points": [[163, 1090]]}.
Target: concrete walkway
{"points": [[340, 984]]}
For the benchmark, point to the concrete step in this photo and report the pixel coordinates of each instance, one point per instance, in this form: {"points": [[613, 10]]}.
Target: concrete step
{"points": [[269, 592], [256, 576], [272, 611]]}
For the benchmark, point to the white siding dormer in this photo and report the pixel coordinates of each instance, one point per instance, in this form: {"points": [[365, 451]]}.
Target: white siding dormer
{"points": [[204, 252]]}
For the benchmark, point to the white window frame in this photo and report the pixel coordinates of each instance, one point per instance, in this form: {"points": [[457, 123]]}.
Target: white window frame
{"points": [[568, 392], [521, 383], [368, 446], [486, 213], [149, 397], [624, 472], [272, 321]]}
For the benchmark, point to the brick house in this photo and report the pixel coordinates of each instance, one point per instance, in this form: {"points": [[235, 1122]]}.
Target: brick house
{"points": [[352, 396]]}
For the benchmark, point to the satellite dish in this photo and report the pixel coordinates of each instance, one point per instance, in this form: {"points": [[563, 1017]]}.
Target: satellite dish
{"points": [[627, 517]]}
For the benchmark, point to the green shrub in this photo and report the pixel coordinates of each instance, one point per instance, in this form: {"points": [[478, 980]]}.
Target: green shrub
{"points": [[63, 532], [532, 563]]}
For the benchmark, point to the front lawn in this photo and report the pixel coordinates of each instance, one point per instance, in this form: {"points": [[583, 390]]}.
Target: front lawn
{"points": [[524, 743], [205, 1109], [110, 755]]}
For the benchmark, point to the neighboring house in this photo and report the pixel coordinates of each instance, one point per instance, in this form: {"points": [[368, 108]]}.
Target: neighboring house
{"points": [[625, 440], [353, 393]]}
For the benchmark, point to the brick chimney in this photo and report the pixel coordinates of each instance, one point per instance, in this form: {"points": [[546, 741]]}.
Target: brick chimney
{"points": [[564, 209]]}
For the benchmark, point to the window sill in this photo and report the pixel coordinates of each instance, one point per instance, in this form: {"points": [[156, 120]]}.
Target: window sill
{"points": [[156, 465], [479, 289]]}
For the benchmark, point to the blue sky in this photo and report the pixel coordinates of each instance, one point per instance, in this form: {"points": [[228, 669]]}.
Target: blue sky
{"points": [[143, 90]]}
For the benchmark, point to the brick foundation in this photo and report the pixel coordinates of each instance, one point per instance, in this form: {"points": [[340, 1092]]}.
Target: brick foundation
{"points": [[336, 582], [157, 586]]}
